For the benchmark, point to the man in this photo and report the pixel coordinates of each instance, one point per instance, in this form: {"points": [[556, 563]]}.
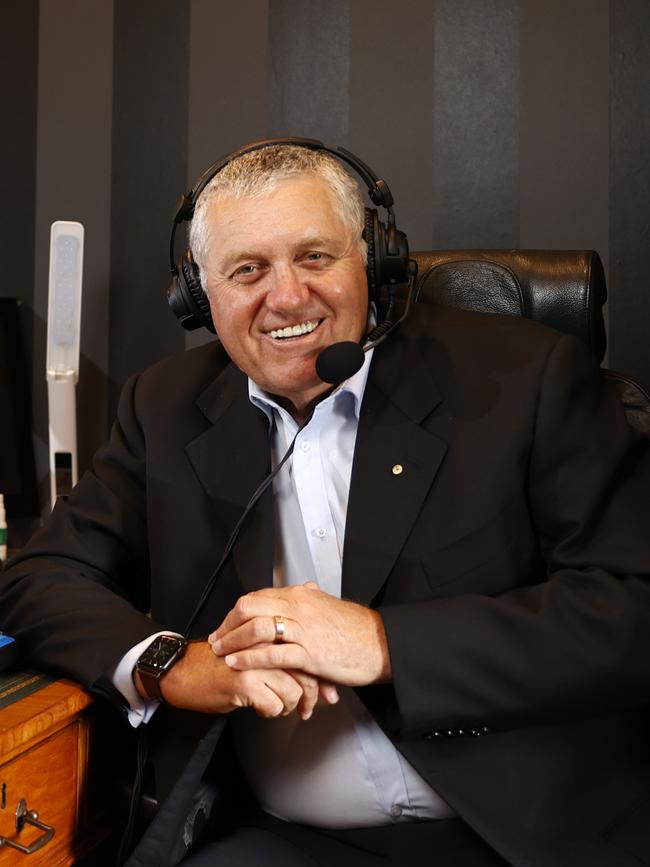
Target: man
{"points": [[475, 491]]}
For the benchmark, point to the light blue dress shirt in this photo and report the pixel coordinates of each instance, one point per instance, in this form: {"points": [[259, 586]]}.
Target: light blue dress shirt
{"points": [[338, 769]]}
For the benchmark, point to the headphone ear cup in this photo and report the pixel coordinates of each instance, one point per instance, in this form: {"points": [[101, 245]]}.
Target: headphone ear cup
{"points": [[395, 256], [186, 297], [388, 254], [370, 235]]}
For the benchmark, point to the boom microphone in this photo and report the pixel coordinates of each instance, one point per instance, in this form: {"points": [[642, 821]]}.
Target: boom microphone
{"points": [[339, 362]]}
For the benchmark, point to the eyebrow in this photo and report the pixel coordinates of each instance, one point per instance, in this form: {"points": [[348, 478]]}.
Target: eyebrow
{"points": [[238, 257], [306, 243]]}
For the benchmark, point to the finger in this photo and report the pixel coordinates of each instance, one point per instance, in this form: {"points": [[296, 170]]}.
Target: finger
{"points": [[252, 691], [259, 630], [246, 608], [328, 692], [310, 693], [270, 693], [284, 656], [286, 687], [269, 601]]}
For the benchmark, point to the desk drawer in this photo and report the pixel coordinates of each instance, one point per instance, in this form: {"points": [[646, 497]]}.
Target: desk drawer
{"points": [[46, 777]]}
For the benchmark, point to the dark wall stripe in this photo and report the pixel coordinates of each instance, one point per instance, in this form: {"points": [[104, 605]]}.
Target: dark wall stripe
{"points": [[391, 126], [73, 183], [228, 102], [18, 95], [151, 50], [476, 124], [564, 124], [310, 66], [629, 314], [18, 91], [18, 82]]}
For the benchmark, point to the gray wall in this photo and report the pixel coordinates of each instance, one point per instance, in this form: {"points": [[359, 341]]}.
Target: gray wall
{"points": [[496, 122]]}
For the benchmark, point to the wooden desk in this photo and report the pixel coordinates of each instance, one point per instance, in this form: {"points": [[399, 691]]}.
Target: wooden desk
{"points": [[45, 741]]}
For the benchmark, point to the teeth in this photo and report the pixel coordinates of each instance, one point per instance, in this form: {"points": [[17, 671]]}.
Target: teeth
{"points": [[295, 330]]}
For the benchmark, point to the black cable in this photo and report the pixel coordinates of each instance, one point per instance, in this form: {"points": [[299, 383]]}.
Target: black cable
{"points": [[240, 523], [136, 794]]}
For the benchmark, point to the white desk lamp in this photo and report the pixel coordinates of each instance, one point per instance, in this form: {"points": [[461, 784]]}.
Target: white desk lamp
{"points": [[62, 365]]}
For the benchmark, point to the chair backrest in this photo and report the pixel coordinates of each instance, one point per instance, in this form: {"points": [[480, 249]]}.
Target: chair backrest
{"points": [[565, 289]]}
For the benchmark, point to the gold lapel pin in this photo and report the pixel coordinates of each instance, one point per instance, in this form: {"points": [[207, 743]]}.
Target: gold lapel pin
{"points": [[398, 469]]}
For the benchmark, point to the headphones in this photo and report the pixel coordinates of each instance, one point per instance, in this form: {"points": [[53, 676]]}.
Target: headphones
{"points": [[388, 250]]}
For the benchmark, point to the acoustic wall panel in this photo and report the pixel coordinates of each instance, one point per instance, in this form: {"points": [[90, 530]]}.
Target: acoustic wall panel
{"points": [[391, 120], [310, 68], [150, 115], [18, 92], [629, 309], [475, 110], [564, 124]]}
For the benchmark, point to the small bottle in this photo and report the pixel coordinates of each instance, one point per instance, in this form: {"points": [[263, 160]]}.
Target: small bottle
{"points": [[3, 530]]}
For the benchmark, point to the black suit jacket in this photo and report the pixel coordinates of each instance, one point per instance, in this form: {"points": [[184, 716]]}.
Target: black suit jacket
{"points": [[510, 560]]}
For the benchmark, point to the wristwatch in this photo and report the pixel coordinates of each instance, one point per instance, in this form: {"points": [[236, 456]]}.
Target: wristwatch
{"points": [[152, 665]]}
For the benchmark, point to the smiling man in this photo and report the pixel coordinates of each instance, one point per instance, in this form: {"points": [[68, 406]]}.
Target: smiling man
{"points": [[430, 645]]}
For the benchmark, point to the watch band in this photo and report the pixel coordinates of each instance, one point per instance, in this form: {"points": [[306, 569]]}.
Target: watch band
{"points": [[151, 684]]}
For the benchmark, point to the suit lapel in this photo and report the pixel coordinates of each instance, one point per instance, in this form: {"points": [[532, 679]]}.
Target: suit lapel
{"points": [[395, 463], [230, 460]]}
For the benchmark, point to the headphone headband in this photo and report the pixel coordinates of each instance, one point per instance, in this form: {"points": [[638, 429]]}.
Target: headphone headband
{"points": [[378, 189]]}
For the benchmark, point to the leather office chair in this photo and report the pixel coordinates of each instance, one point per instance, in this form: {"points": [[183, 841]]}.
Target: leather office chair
{"points": [[561, 288]]}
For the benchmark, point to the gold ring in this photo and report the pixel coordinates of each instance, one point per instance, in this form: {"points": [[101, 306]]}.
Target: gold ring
{"points": [[280, 627]]}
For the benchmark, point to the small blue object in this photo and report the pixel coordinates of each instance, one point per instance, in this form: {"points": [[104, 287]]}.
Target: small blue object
{"points": [[8, 652]]}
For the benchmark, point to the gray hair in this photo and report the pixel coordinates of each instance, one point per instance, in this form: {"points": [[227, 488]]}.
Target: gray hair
{"points": [[259, 172]]}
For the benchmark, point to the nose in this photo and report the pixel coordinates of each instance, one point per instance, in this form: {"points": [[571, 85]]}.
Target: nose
{"points": [[287, 292]]}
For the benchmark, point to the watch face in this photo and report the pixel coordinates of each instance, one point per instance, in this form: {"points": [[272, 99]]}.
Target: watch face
{"points": [[161, 652]]}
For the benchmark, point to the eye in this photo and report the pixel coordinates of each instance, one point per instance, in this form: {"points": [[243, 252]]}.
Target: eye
{"points": [[247, 273], [316, 258]]}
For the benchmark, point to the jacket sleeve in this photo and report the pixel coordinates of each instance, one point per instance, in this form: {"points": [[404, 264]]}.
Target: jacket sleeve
{"points": [[578, 643], [76, 597]]}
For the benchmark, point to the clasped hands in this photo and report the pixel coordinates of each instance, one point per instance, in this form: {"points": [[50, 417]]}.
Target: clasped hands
{"points": [[326, 641]]}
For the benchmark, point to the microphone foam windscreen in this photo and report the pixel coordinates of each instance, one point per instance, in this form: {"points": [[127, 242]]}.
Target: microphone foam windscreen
{"points": [[339, 361]]}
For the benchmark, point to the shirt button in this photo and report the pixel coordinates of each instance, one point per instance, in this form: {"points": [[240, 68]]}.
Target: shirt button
{"points": [[396, 811], [304, 447], [321, 532]]}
